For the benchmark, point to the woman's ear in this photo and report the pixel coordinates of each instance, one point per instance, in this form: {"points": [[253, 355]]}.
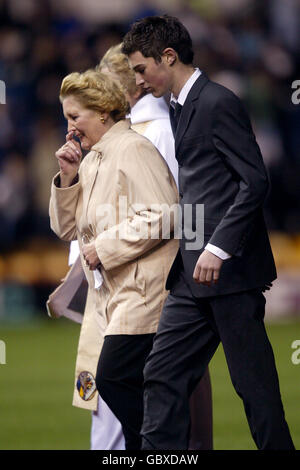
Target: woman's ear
{"points": [[103, 117]]}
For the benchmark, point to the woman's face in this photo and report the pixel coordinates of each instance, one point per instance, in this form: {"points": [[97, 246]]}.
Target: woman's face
{"points": [[85, 123]]}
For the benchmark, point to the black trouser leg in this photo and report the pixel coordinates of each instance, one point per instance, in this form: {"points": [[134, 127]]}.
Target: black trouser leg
{"points": [[250, 359], [182, 348], [201, 437], [119, 381]]}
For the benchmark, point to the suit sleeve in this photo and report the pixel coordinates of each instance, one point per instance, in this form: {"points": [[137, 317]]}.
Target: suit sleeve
{"points": [[149, 191], [235, 143]]}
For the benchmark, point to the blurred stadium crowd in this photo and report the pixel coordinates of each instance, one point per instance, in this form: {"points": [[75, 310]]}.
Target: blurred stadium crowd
{"points": [[250, 46]]}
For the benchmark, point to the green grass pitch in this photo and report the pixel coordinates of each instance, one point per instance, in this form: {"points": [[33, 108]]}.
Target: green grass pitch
{"points": [[36, 387]]}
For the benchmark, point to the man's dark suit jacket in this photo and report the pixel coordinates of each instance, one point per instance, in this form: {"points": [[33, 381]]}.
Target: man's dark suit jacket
{"points": [[220, 166]]}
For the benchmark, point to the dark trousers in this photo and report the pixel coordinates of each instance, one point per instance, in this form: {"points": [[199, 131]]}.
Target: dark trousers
{"points": [[201, 435], [119, 381], [188, 335]]}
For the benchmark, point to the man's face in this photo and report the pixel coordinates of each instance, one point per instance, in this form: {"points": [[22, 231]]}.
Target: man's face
{"points": [[155, 78]]}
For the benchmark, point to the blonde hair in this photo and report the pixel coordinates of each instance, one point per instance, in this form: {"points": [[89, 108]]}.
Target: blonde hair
{"points": [[117, 63], [96, 91]]}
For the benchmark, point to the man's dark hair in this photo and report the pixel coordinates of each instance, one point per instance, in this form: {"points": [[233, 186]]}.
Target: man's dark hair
{"points": [[153, 34]]}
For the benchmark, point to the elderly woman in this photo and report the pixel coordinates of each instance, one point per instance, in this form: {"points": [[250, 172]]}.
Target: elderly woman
{"points": [[115, 202]]}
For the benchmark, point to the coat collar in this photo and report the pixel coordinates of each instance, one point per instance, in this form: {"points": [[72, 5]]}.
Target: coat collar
{"points": [[119, 128], [97, 153], [189, 108]]}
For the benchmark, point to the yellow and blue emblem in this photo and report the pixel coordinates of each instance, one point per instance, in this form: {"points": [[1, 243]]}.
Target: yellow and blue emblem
{"points": [[86, 385]]}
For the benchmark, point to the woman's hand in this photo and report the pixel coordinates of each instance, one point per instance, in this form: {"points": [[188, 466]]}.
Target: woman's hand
{"points": [[69, 158], [90, 256]]}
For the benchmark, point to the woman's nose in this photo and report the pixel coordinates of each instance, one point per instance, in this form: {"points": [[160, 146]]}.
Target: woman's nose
{"points": [[71, 127]]}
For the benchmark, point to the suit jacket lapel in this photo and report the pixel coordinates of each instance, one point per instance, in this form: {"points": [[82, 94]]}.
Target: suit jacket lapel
{"points": [[188, 108]]}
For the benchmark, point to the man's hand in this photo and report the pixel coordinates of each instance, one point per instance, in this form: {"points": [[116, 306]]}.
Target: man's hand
{"points": [[207, 269], [90, 256]]}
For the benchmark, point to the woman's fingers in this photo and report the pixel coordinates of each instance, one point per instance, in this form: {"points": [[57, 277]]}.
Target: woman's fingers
{"points": [[72, 154], [90, 256], [69, 135], [70, 140], [73, 145], [67, 156], [68, 152], [76, 150]]}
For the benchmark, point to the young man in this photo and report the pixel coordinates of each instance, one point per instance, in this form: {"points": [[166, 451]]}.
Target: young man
{"points": [[215, 286]]}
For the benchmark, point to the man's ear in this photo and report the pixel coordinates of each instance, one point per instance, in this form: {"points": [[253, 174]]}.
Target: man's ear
{"points": [[170, 56]]}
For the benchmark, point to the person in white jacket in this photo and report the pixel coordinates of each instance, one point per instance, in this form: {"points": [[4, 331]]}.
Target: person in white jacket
{"points": [[150, 117]]}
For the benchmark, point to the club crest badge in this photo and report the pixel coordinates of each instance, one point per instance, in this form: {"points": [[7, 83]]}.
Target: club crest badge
{"points": [[86, 385]]}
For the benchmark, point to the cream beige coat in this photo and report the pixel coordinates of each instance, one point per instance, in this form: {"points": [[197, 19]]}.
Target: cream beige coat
{"points": [[135, 265]]}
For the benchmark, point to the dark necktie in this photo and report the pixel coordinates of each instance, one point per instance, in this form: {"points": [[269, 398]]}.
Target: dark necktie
{"points": [[174, 112]]}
